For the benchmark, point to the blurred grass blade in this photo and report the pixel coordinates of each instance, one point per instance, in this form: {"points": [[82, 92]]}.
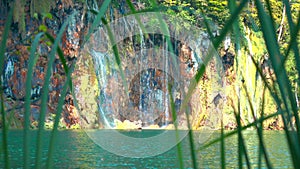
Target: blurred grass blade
{"points": [[223, 163], [164, 27], [260, 146], [116, 54], [60, 53], [293, 40], [228, 25], [45, 91], [292, 43], [242, 150], [3, 114], [206, 24], [61, 58], [241, 142], [260, 137], [165, 31], [67, 85], [133, 11], [273, 49], [236, 29], [57, 119], [289, 16], [277, 101], [293, 30], [31, 65], [269, 15], [97, 20], [282, 79], [240, 138], [174, 118], [236, 33], [232, 133], [216, 44], [258, 121], [191, 140]]}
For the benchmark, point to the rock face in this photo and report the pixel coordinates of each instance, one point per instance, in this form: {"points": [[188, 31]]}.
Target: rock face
{"points": [[87, 108], [26, 25], [148, 71], [17, 54]]}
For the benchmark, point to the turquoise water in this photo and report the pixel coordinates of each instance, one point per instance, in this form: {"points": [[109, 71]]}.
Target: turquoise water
{"points": [[74, 149]]}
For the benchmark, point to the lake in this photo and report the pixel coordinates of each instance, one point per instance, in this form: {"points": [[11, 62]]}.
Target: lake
{"points": [[75, 149]]}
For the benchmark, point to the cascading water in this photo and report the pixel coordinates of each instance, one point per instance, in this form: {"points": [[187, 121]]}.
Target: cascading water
{"points": [[150, 65], [154, 74]]}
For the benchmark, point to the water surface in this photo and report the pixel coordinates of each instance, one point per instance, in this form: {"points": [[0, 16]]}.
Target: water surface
{"points": [[74, 149]]}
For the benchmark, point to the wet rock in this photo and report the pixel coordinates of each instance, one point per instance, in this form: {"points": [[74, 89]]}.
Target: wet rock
{"points": [[17, 55]]}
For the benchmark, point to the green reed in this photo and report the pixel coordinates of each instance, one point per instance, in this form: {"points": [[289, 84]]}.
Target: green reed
{"points": [[285, 95], [2, 108], [283, 82], [32, 61]]}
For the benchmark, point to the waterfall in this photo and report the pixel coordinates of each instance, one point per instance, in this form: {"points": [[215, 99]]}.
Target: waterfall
{"points": [[149, 66], [102, 68], [142, 100], [166, 78], [8, 72]]}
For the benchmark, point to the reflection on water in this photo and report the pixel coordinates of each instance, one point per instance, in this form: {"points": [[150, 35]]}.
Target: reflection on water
{"points": [[74, 149]]}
